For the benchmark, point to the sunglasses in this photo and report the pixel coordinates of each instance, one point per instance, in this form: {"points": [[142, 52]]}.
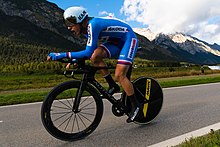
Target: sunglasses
{"points": [[70, 21]]}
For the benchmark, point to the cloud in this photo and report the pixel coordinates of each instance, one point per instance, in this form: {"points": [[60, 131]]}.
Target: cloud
{"points": [[200, 18], [105, 13]]}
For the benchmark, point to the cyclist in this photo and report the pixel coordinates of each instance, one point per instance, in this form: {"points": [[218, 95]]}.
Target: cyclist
{"points": [[119, 40]]}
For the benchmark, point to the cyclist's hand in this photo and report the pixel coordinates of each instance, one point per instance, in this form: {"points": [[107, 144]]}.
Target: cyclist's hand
{"points": [[68, 66], [48, 58], [56, 56], [74, 64]]}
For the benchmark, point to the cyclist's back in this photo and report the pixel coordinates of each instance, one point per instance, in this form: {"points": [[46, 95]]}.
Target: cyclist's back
{"points": [[111, 28]]}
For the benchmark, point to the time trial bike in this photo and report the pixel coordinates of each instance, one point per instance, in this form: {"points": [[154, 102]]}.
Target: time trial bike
{"points": [[73, 109]]}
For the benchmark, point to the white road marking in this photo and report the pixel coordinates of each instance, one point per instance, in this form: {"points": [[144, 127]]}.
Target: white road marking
{"points": [[114, 94], [34, 103], [179, 139], [189, 86], [1, 121], [8, 106]]}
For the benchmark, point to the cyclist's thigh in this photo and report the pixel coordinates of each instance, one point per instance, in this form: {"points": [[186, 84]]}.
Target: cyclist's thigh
{"points": [[128, 51], [111, 49]]}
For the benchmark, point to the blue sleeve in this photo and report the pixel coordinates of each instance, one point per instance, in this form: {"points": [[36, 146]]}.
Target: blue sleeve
{"points": [[93, 32]]}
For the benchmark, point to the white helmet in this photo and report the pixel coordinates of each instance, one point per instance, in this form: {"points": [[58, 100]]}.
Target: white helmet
{"points": [[74, 15]]}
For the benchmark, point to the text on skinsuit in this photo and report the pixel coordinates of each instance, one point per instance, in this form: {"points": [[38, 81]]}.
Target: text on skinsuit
{"points": [[89, 41], [116, 29], [132, 48]]}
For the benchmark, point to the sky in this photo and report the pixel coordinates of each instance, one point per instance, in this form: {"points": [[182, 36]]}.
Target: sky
{"points": [[199, 18]]}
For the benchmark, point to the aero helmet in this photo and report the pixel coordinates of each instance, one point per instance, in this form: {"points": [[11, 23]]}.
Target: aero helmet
{"points": [[74, 15]]}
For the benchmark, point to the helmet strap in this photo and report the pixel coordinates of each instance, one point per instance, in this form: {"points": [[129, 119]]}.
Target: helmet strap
{"points": [[81, 26]]}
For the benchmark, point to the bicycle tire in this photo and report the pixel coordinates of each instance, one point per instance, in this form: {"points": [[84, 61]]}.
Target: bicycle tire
{"points": [[61, 98], [149, 93]]}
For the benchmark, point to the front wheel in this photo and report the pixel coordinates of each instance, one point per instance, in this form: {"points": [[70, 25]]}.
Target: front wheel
{"points": [[59, 118]]}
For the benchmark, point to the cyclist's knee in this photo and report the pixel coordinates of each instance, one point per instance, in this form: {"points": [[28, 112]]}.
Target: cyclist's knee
{"points": [[120, 77], [98, 55]]}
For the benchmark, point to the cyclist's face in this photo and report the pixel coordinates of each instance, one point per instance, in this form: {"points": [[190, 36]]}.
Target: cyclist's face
{"points": [[75, 29]]}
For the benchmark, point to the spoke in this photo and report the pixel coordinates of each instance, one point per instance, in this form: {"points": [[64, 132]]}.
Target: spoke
{"points": [[82, 121], [77, 123], [61, 107], [85, 117], [62, 116], [68, 121], [73, 122], [64, 104], [84, 100], [69, 103], [87, 105], [65, 121], [87, 113], [88, 109], [67, 112]]}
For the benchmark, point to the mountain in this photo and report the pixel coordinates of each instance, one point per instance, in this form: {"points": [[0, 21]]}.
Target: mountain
{"points": [[184, 47], [37, 21], [30, 29]]}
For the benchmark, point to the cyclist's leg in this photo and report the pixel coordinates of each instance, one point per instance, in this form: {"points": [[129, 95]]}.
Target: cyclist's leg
{"points": [[120, 75], [125, 60], [97, 59], [106, 50]]}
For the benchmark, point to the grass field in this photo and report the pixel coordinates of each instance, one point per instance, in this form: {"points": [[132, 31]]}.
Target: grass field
{"points": [[24, 88]]}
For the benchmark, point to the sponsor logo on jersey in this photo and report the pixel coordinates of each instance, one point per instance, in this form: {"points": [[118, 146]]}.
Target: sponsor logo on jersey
{"points": [[116, 29], [80, 17], [132, 48], [89, 41]]}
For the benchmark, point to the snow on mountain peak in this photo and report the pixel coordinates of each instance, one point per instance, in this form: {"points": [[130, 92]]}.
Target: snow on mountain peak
{"points": [[178, 38], [192, 45], [146, 33], [185, 42]]}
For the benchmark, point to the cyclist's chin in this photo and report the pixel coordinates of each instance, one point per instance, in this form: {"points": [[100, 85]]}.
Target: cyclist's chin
{"points": [[76, 34]]}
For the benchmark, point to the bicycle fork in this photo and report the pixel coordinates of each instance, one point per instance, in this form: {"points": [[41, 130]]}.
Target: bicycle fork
{"points": [[79, 95]]}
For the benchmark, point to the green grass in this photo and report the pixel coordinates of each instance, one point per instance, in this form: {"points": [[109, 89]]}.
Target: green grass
{"points": [[34, 88], [26, 88], [189, 80], [210, 140], [22, 97], [19, 81]]}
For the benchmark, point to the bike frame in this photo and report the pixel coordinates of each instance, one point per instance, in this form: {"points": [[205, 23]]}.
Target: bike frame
{"points": [[88, 77]]}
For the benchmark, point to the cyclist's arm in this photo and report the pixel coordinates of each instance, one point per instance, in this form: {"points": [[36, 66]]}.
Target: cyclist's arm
{"points": [[87, 53]]}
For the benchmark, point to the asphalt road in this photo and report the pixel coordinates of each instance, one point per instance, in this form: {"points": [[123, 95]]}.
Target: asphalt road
{"points": [[185, 109]]}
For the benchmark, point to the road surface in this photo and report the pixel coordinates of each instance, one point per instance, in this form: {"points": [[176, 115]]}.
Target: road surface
{"points": [[185, 109]]}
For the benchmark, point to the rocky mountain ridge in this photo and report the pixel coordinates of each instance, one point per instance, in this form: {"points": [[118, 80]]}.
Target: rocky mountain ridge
{"points": [[41, 13], [186, 43]]}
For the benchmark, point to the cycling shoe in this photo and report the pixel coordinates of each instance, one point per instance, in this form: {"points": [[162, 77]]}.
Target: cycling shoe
{"points": [[133, 114]]}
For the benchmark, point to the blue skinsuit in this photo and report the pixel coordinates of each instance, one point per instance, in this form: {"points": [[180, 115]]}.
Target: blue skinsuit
{"points": [[120, 40]]}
